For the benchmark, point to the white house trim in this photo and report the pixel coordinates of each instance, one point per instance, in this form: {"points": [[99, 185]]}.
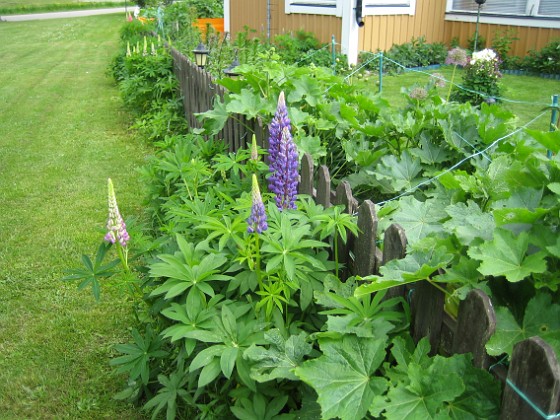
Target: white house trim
{"points": [[504, 12], [227, 16], [505, 20], [350, 32], [389, 7], [314, 7]]}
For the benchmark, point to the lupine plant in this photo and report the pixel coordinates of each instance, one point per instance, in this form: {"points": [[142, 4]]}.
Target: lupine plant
{"points": [[116, 227], [283, 158]]}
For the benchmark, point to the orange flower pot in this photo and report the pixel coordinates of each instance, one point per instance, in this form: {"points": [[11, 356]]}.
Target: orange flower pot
{"points": [[216, 23]]}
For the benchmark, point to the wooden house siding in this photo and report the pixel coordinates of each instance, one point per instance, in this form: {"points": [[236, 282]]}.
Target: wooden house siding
{"points": [[382, 32], [252, 13], [529, 38], [324, 27]]}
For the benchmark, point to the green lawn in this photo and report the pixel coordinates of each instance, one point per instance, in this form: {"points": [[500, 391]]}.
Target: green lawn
{"points": [[530, 94], [63, 132]]}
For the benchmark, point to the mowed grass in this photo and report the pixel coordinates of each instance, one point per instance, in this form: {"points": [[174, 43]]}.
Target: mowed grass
{"points": [[62, 134], [525, 96]]}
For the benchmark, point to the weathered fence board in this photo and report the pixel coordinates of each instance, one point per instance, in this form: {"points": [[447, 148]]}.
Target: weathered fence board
{"points": [[534, 373], [477, 322], [365, 247], [394, 248]]}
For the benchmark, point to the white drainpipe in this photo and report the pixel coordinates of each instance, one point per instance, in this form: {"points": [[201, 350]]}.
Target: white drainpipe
{"points": [[350, 31]]}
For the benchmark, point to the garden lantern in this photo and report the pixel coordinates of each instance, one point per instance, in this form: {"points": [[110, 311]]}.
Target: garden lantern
{"points": [[230, 71], [201, 55], [480, 3]]}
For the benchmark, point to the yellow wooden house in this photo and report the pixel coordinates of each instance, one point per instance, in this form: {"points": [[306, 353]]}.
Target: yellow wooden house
{"points": [[371, 25]]}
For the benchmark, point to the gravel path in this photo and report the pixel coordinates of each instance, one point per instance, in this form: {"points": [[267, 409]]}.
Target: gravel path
{"points": [[69, 14]]}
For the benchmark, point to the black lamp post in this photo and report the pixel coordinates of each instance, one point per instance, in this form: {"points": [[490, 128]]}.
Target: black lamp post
{"points": [[480, 3], [230, 71], [201, 55]]}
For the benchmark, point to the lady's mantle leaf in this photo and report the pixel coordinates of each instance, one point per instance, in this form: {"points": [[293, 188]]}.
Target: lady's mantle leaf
{"points": [[542, 318], [344, 376], [507, 256], [423, 259], [425, 393], [418, 218], [280, 359], [469, 222]]}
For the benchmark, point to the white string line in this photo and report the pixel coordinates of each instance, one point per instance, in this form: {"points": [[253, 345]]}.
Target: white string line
{"points": [[494, 143], [466, 89]]}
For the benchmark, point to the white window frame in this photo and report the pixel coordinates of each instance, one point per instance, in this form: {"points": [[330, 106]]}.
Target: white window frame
{"points": [[314, 7], [389, 7], [370, 7], [530, 19]]}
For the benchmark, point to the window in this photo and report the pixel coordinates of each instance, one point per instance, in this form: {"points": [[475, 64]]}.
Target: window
{"points": [[334, 7], [537, 13]]}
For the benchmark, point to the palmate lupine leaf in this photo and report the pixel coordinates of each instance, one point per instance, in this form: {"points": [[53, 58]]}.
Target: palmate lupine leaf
{"points": [[507, 256], [93, 272], [191, 267], [542, 318], [167, 396], [138, 355], [344, 376]]}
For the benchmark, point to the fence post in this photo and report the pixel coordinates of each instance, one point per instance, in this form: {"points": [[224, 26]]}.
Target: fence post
{"points": [[306, 174], [476, 322], [344, 197], [365, 249], [532, 389], [553, 119], [324, 187], [394, 248], [381, 72], [333, 52], [554, 116], [427, 313]]}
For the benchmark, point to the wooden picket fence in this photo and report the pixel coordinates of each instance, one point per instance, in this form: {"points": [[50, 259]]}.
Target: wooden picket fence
{"points": [[533, 373], [199, 91]]}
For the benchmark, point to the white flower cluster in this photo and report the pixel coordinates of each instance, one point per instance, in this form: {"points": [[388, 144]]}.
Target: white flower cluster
{"points": [[485, 55]]}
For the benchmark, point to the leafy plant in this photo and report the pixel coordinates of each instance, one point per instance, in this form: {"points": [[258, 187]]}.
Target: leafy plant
{"points": [[94, 272]]}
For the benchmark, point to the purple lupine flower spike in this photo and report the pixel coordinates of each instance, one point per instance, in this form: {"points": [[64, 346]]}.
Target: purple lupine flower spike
{"points": [[283, 158], [286, 177], [116, 228], [257, 220], [278, 123]]}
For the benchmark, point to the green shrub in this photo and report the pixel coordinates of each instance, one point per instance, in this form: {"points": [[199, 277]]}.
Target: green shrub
{"points": [[546, 61], [416, 53], [480, 79]]}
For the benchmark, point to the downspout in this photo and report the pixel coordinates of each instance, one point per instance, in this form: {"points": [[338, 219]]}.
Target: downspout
{"points": [[351, 23]]}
